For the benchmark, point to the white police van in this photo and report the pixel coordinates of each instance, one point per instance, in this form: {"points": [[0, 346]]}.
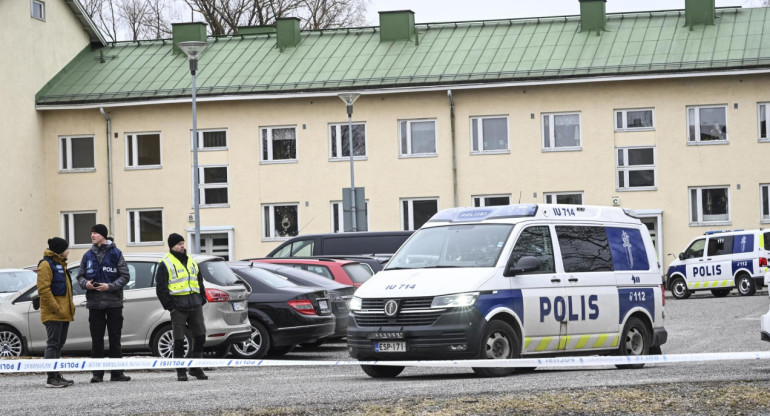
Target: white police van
{"points": [[512, 281], [720, 261]]}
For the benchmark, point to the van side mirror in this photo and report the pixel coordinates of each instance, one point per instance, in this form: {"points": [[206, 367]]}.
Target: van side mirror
{"points": [[36, 303], [681, 256], [524, 265]]}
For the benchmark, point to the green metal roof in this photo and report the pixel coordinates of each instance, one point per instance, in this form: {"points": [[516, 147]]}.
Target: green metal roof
{"points": [[444, 54]]}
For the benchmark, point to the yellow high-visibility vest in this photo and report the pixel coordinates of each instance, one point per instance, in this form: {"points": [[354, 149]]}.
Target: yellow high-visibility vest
{"points": [[181, 280]]}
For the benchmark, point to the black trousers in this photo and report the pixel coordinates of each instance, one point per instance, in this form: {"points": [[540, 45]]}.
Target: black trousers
{"points": [[110, 319], [57, 336]]}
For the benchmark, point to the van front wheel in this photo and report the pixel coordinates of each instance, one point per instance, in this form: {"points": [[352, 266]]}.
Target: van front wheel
{"points": [[499, 343], [635, 341], [745, 285], [679, 288], [382, 371]]}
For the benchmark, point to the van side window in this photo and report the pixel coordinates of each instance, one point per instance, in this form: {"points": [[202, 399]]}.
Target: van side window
{"points": [[301, 248], [719, 246], [767, 241], [584, 249], [535, 242], [696, 249]]}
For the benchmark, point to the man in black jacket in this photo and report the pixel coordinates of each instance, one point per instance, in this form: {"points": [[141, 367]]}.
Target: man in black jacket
{"points": [[180, 289]]}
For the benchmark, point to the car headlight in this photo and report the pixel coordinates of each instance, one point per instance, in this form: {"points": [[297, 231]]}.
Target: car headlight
{"points": [[355, 304], [460, 300]]}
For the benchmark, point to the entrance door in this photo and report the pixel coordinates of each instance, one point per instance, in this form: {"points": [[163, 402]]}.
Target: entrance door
{"points": [[216, 245]]}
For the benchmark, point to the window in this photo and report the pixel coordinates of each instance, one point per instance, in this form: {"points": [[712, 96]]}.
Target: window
{"points": [[696, 249], [709, 205], [212, 182], [416, 212], [764, 198], [338, 218], [535, 242], [145, 226], [632, 120], [140, 275], [418, 137], [561, 131], [77, 153], [76, 227], [143, 150], [300, 248], [706, 124], [38, 9], [584, 249], [212, 139], [339, 141], [720, 246], [280, 221], [636, 167], [489, 134], [763, 110], [491, 200], [572, 198], [279, 144]]}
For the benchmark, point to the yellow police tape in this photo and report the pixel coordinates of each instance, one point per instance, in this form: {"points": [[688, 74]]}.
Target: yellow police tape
{"points": [[91, 364]]}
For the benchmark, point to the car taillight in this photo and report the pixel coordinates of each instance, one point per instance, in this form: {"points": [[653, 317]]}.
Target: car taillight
{"points": [[303, 306], [762, 262], [216, 295], [663, 292]]}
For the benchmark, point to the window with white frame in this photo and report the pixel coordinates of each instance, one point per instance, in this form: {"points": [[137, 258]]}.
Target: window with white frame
{"points": [[635, 119], [279, 143], [76, 227], [491, 200], [636, 168], [143, 150], [280, 221], [339, 141], [489, 134], [337, 219], [76, 153], [706, 124], [561, 131], [38, 9], [764, 197], [145, 226], [213, 185], [418, 137], [709, 204], [762, 111], [212, 139], [417, 211], [572, 198]]}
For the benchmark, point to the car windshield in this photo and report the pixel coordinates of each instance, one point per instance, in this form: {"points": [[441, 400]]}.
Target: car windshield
{"points": [[217, 272], [13, 281], [269, 278], [466, 245]]}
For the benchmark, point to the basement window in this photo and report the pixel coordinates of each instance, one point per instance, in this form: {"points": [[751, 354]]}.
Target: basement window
{"points": [[38, 10]]}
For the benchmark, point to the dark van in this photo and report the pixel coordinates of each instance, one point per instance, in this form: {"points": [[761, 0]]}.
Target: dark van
{"points": [[365, 242]]}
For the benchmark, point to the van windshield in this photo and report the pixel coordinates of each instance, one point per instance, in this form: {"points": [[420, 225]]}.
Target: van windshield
{"points": [[470, 245]]}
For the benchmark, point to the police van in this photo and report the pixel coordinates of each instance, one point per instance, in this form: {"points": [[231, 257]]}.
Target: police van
{"points": [[720, 261], [513, 281]]}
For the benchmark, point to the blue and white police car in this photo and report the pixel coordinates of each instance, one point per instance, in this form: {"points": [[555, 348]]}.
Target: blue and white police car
{"points": [[513, 281], [720, 261]]}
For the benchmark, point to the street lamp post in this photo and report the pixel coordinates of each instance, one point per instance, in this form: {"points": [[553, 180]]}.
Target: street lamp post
{"points": [[193, 50], [349, 98]]}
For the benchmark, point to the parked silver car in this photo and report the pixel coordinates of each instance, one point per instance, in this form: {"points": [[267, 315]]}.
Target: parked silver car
{"points": [[146, 325]]}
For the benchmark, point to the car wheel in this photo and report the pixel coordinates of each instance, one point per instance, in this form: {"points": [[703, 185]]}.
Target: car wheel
{"points": [[163, 342], [280, 350], [634, 341], [745, 285], [720, 293], [679, 288], [11, 344], [256, 346], [499, 343], [220, 351], [382, 371]]}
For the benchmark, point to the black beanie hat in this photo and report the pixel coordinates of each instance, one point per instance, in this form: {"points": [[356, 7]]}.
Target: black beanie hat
{"points": [[174, 239], [58, 245], [100, 229]]}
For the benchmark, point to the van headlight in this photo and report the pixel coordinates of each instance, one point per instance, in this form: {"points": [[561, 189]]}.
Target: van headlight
{"points": [[460, 300], [355, 304]]}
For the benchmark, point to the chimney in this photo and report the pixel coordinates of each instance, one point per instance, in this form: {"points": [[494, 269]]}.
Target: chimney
{"points": [[184, 32], [699, 12], [287, 32], [397, 25], [255, 30], [593, 15]]}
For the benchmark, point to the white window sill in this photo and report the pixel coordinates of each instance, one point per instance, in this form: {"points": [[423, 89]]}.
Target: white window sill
{"points": [[491, 152], [83, 170], [634, 129], [562, 149], [145, 244], [708, 143], [638, 188], [269, 239], [81, 246], [277, 162], [211, 149], [148, 167], [214, 206], [763, 140], [419, 155], [710, 224], [764, 221], [347, 158]]}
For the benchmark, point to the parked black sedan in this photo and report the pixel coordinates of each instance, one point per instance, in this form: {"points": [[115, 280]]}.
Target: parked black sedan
{"points": [[282, 313]]}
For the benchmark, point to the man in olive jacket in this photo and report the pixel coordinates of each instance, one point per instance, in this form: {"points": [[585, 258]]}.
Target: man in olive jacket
{"points": [[57, 309]]}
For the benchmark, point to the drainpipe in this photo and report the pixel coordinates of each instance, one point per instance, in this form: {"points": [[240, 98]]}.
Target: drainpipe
{"points": [[109, 164], [454, 153]]}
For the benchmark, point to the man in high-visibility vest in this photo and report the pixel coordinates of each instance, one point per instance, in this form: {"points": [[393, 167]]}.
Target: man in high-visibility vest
{"points": [[179, 286]]}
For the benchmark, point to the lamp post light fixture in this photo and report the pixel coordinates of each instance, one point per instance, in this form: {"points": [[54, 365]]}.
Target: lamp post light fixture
{"points": [[193, 50], [349, 98]]}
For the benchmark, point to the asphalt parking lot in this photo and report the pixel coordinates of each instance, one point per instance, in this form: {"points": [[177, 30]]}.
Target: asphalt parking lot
{"points": [[699, 324]]}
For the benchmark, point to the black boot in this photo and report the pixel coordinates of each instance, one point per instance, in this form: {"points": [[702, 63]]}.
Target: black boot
{"points": [[197, 352], [98, 377], [181, 373]]}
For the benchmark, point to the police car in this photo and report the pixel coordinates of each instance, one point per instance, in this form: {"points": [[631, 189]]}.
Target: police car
{"points": [[720, 261], [513, 281]]}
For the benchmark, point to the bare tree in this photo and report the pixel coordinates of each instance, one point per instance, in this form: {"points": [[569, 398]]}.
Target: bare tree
{"points": [[325, 14], [134, 15], [105, 16], [158, 21]]}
